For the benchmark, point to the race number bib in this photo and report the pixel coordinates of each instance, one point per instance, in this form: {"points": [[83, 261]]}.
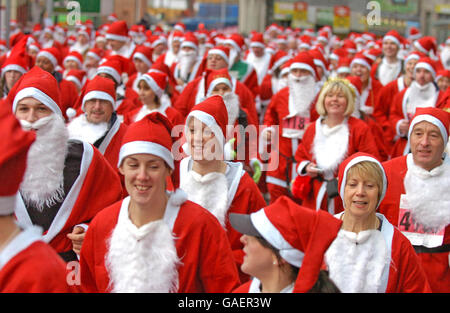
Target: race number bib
{"points": [[417, 234], [294, 127]]}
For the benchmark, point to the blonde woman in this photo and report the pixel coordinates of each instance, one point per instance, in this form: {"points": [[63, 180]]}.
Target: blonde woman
{"points": [[327, 142], [378, 258]]}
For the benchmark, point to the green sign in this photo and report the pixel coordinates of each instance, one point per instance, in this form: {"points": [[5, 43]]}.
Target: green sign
{"points": [[403, 7], [86, 6]]}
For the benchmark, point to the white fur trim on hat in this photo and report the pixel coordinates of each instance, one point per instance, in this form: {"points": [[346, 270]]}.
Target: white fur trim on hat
{"points": [[75, 80], [233, 43], [73, 58], [49, 56], [412, 56], [189, 44], [93, 55], [270, 233], [303, 66], [116, 37], [219, 52], [256, 44], [426, 66], [215, 82], [431, 119], [13, 67], [360, 62], [111, 71], [420, 48], [143, 58], [31, 92], [209, 121], [357, 160], [392, 38], [151, 82], [147, 147], [98, 94]]}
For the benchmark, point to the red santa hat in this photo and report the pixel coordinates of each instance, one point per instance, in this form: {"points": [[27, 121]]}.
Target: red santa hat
{"points": [[114, 65], [426, 45], [414, 33], [16, 62], [145, 54], [118, 30], [180, 27], [394, 36], [305, 61], [442, 73], [323, 36], [428, 64], [14, 147], [350, 162], [362, 59], [156, 40], [40, 85], [435, 116], [223, 51], [285, 68], [235, 40], [350, 46], [343, 65], [319, 60], [257, 40], [414, 55], [355, 83], [278, 59], [215, 77], [302, 236], [156, 80], [373, 53], [74, 56], [100, 88], [51, 54], [96, 53], [213, 113], [189, 40], [338, 53], [78, 77], [112, 17], [150, 135], [84, 31], [304, 42]]}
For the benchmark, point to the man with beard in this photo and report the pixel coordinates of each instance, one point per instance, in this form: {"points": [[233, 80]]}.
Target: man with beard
{"points": [[189, 62], [118, 40], [99, 125], [258, 57], [291, 109], [421, 93], [21, 249], [66, 182], [92, 60], [171, 55], [417, 198]]}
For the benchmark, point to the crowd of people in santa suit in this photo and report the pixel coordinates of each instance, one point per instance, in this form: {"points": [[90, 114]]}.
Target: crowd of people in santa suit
{"points": [[167, 160]]}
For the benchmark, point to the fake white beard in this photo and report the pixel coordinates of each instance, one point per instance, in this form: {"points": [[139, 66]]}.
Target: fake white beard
{"points": [[232, 103], [301, 94], [356, 261], [445, 57], [142, 259], [233, 57], [91, 72], [427, 194], [209, 191], [83, 130], [421, 96], [281, 83], [330, 146], [43, 182], [388, 71], [186, 61]]}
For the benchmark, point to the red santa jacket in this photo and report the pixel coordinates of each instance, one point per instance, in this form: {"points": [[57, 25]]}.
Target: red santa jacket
{"points": [[201, 243], [436, 265], [360, 140], [96, 187], [28, 265], [276, 113]]}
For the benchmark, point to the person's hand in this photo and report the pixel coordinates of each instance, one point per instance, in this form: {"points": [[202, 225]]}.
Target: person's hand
{"points": [[77, 237], [179, 81], [256, 172], [267, 135], [311, 170], [403, 127]]}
